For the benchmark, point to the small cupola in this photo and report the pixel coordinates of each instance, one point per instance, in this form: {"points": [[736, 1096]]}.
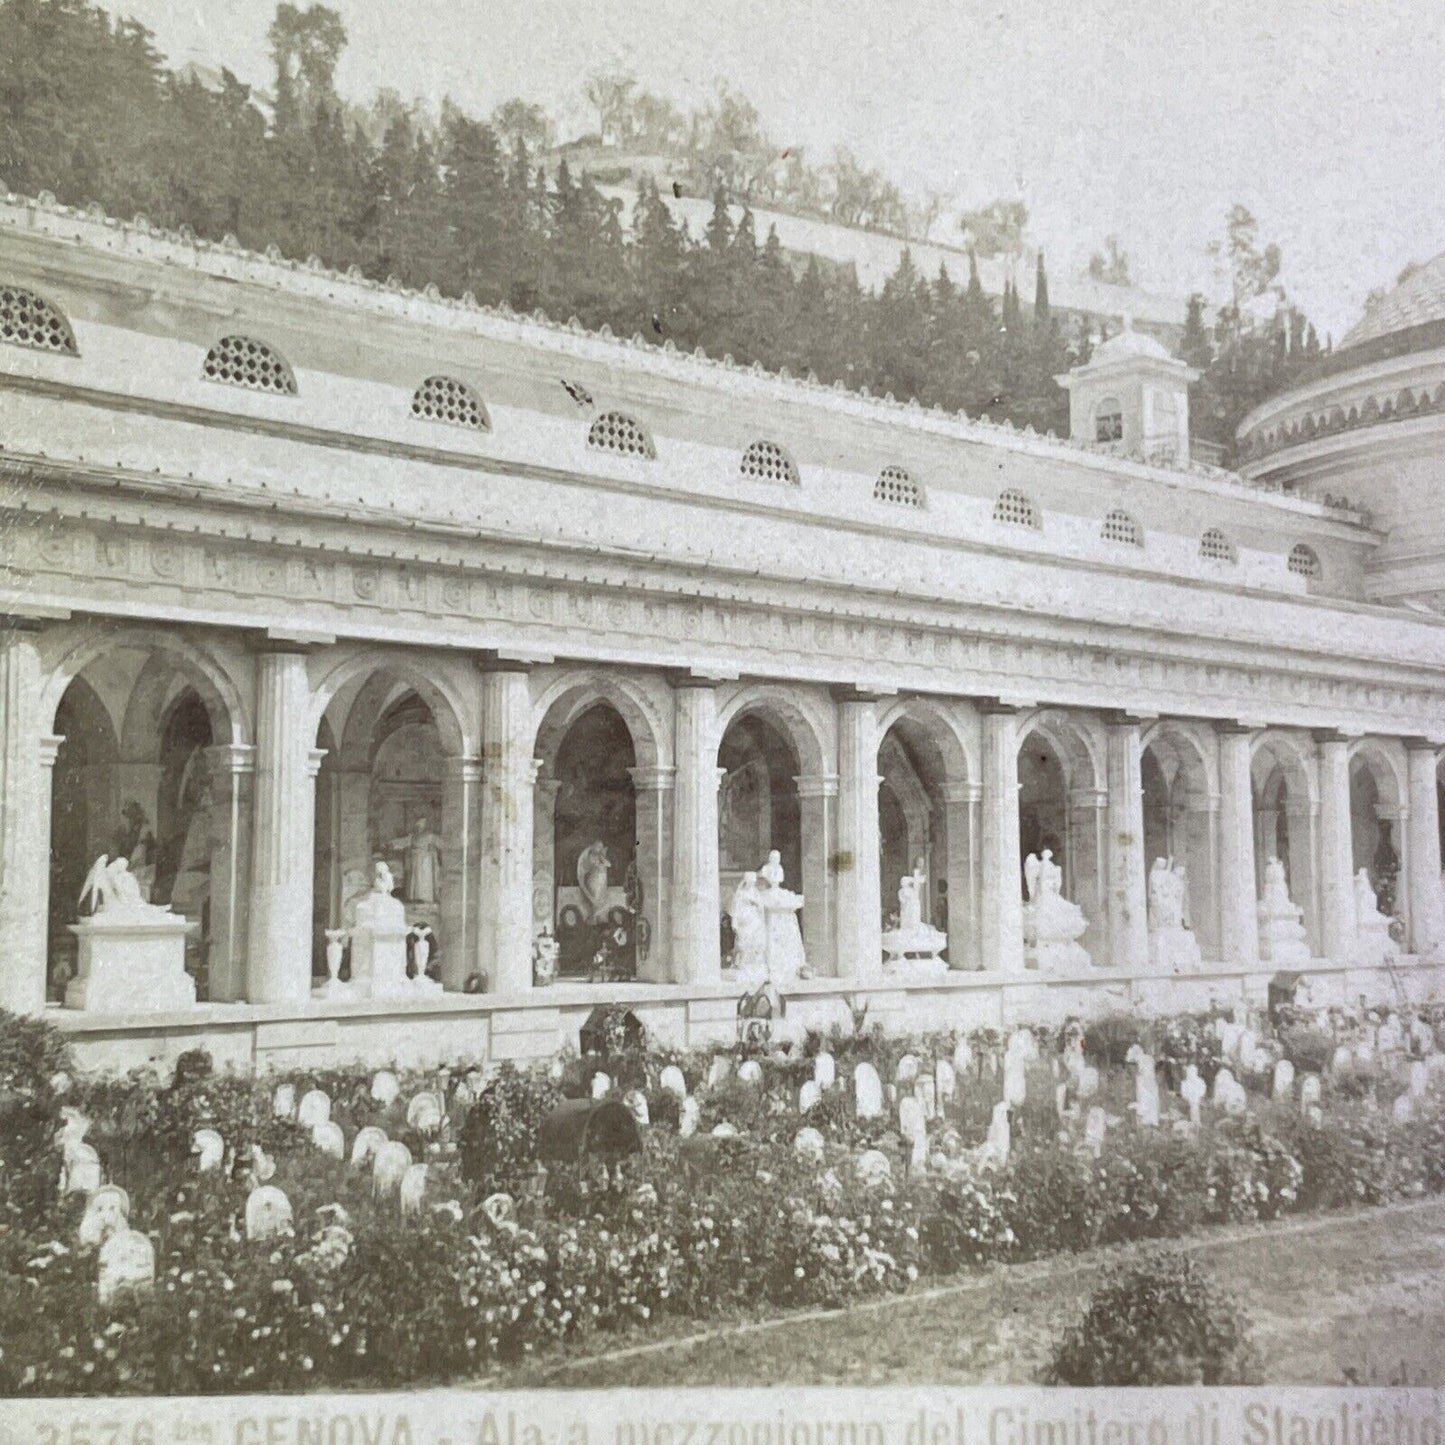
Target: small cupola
{"points": [[1133, 397]]}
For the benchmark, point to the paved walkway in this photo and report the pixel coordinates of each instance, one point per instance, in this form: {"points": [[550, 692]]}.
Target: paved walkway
{"points": [[1357, 1295]]}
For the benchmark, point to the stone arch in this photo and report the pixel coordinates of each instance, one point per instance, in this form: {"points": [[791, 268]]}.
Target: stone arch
{"points": [[941, 727], [1076, 745], [1286, 818], [793, 716], [1378, 806], [433, 687], [1179, 777], [563, 700], [218, 687]]}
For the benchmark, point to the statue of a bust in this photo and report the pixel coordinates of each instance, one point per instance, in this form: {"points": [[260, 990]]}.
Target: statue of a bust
{"points": [[378, 909]]}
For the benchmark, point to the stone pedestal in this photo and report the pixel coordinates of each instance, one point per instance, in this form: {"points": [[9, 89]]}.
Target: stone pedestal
{"points": [[912, 953], [378, 960], [132, 966]]}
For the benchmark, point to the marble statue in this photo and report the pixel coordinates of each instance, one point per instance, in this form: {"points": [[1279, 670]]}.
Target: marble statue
{"points": [[750, 931], [593, 865], [1052, 923], [378, 944], [127, 1261], [423, 854], [80, 1171], [1373, 946], [785, 959], [913, 947], [106, 1211], [1282, 939], [1146, 1087], [1192, 1090], [1172, 946], [131, 954], [139, 846], [1096, 1127]]}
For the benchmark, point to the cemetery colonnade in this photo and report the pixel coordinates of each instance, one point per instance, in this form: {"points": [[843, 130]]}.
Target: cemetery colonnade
{"points": [[1236, 794]]}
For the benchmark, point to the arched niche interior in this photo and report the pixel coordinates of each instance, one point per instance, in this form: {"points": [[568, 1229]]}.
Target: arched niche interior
{"points": [[1179, 818], [1285, 827], [913, 819], [1376, 833]]}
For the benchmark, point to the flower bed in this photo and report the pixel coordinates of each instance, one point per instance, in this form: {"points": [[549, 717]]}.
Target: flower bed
{"points": [[364, 1294]]}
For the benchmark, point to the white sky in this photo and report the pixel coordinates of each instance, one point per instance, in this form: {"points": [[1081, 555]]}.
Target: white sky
{"points": [[1145, 118]]}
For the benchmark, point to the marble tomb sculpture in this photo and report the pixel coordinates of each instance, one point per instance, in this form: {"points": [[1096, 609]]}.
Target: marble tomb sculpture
{"points": [[132, 954], [1282, 938], [913, 947], [1052, 923], [1172, 946], [1373, 945], [378, 945], [767, 942]]}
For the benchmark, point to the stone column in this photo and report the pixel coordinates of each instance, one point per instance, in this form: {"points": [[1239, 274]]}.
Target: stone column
{"points": [[652, 795], [696, 901], [1238, 916], [960, 810], [458, 911], [279, 944], [1001, 890], [1128, 896], [1422, 849], [857, 866], [504, 894], [1337, 903], [818, 808], [25, 778], [232, 771], [1086, 864]]}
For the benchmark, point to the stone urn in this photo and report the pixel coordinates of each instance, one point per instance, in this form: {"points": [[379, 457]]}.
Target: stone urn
{"points": [[545, 950]]}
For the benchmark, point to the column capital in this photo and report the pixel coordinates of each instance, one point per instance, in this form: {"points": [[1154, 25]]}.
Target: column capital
{"points": [[817, 785], [31, 618], [231, 758], [652, 780], [1122, 718], [1233, 728], [680, 678], [285, 641], [494, 660], [999, 707], [50, 748], [1088, 797], [1421, 745], [1329, 735], [314, 758], [464, 769], [954, 791]]}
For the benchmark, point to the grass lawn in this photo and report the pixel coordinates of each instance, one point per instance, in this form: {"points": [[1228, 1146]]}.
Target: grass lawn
{"points": [[1360, 1294]]}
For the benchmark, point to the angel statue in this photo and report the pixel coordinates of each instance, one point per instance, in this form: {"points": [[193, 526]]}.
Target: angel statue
{"points": [[113, 890], [592, 869]]}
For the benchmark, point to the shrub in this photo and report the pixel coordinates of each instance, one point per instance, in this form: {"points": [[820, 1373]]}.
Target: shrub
{"points": [[1158, 1321], [1310, 1050], [497, 1146], [1108, 1040], [32, 1052]]}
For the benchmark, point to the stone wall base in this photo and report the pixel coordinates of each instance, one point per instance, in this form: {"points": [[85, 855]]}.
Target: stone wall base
{"points": [[475, 1028]]}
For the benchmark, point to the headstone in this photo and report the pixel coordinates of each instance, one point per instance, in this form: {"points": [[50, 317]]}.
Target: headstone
{"points": [[635, 1102], [808, 1096], [389, 1164], [724, 1131], [1315, 1115], [268, 1213], [385, 1087], [825, 1070], [1342, 1058], [127, 1261], [1310, 1089], [962, 1058], [425, 1113], [556, 1070], [1192, 1090], [907, 1070], [911, 1122], [365, 1145], [314, 1108], [601, 1085], [1223, 1082], [1088, 1085], [411, 1192], [719, 1071], [1419, 1078], [209, 1149], [328, 1139], [501, 1209], [283, 1101], [873, 1169], [1096, 1126], [263, 1166], [945, 1079], [81, 1172], [106, 1212], [1403, 1109], [673, 1081], [808, 1144], [1015, 1080], [688, 1118], [925, 1090], [867, 1091], [994, 1151], [750, 1072], [1283, 1079]]}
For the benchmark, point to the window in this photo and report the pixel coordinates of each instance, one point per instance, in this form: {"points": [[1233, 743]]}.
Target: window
{"points": [[1120, 527], [577, 392], [243, 361], [1016, 509], [1109, 420], [445, 399], [768, 462], [1304, 562], [30, 320], [1214, 546], [615, 431], [896, 486]]}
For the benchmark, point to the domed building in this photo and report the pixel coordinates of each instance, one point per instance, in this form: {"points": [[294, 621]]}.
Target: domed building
{"points": [[1368, 429]]}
